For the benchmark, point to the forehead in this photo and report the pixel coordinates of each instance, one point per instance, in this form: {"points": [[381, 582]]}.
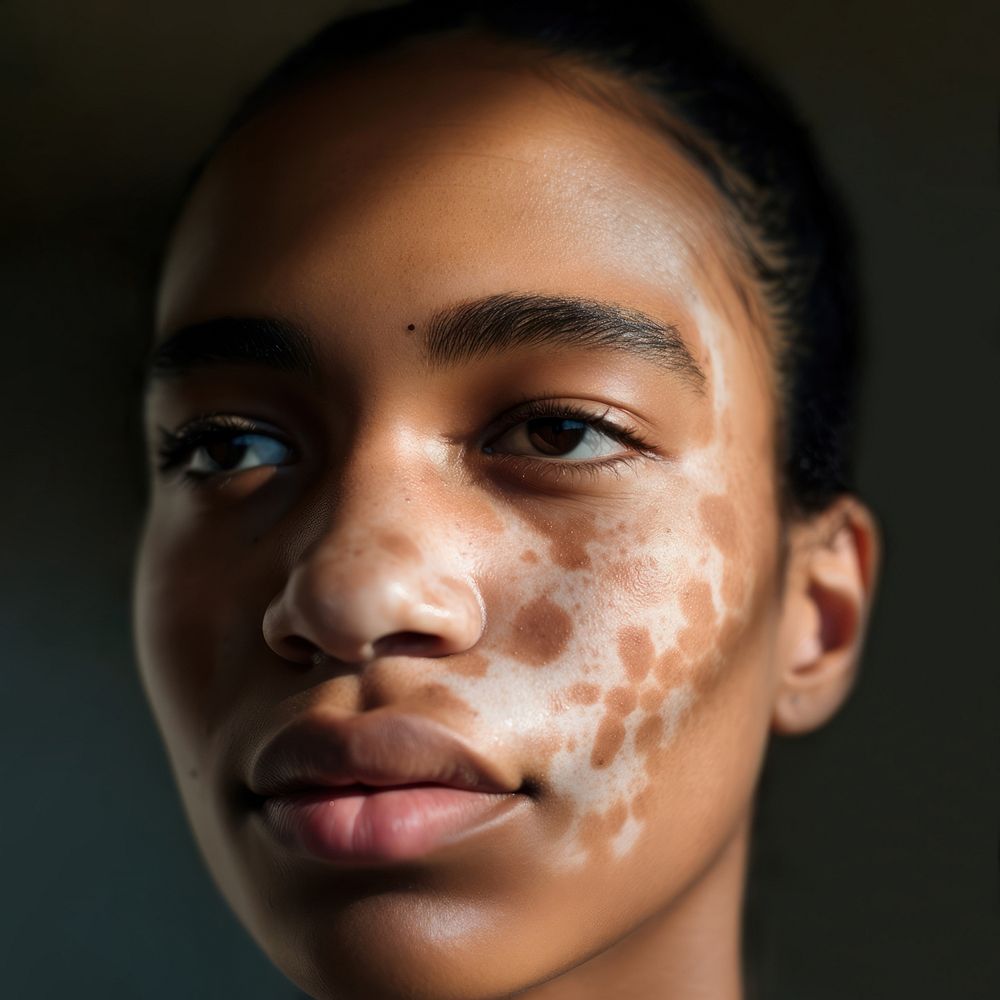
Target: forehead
{"points": [[448, 169]]}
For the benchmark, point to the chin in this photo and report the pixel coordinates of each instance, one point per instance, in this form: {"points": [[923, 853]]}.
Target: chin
{"points": [[404, 946]]}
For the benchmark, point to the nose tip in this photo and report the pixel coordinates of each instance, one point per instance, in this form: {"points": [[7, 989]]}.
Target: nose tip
{"points": [[370, 604]]}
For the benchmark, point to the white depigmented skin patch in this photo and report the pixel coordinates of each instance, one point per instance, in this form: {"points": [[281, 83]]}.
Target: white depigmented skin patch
{"points": [[512, 697]]}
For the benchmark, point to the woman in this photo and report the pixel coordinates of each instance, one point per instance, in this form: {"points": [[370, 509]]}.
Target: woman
{"points": [[499, 409]]}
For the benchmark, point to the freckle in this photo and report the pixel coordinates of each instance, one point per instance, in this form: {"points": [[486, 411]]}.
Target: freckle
{"points": [[410, 326], [692, 642], [568, 537], [651, 699], [597, 829], [399, 545], [468, 664], [542, 630], [620, 701], [696, 604], [699, 613], [718, 517], [647, 736], [635, 647], [584, 694], [440, 696], [608, 741], [669, 671], [570, 552], [529, 557]]}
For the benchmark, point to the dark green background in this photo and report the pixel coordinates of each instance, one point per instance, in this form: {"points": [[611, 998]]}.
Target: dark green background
{"points": [[876, 870]]}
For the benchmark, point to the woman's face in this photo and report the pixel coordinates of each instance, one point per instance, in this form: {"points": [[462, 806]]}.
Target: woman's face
{"points": [[459, 595]]}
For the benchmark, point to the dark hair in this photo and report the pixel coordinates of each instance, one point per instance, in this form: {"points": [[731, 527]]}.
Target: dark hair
{"points": [[747, 140]]}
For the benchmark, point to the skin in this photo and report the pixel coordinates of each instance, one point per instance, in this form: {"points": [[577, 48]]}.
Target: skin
{"points": [[619, 635]]}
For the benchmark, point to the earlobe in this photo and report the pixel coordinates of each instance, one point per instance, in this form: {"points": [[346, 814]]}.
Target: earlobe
{"points": [[829, 584]]}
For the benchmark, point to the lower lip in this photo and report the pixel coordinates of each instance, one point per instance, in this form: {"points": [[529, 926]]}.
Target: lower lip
{"points": [[385, 824]]}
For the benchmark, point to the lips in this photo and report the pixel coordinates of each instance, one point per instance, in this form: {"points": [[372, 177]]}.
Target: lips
{"points": [[379, 786]]}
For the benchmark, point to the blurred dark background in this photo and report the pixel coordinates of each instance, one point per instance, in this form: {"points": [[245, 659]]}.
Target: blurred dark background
{"points": [[876, 863]]}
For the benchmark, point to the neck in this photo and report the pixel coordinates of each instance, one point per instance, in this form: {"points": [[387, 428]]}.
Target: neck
{"points": [[691, 951]]}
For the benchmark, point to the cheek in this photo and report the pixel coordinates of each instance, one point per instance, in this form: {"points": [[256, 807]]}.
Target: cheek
{"points": [[622, 674], [196, 634]]}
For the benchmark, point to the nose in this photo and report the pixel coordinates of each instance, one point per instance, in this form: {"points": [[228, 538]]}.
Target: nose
{"points": [[361, 593]]}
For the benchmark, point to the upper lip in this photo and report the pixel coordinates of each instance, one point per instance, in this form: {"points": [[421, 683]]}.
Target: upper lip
{"points": [[380, 748]]}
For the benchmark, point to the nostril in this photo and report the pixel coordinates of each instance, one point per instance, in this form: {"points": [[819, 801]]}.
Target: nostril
{"points": [[299, 649], [409, 644]]}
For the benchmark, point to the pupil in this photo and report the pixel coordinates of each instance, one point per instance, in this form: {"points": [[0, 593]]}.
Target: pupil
{"points": [[555, 435], [227, 454]]}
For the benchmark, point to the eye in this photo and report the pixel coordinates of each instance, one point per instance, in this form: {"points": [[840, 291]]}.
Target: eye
{"points": [[221, 446], [556, 437], [236, 454], [554, 431]]}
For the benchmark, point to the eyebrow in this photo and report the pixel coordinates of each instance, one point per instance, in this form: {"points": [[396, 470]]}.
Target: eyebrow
{"points": [[467, 332], [499, 323], [232, 340]]}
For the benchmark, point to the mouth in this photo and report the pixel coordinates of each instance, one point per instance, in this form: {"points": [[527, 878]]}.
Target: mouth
{"points": [[376, 787]]}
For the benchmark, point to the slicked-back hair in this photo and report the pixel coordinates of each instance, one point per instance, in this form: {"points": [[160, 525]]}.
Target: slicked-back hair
{"points": [[790, 228]]}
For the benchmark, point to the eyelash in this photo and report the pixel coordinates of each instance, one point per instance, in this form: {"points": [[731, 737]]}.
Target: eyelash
{"points": [[177, 447], [534, 409]]}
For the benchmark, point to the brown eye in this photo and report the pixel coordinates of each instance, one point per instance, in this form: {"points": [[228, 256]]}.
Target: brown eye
{"points": [[555, 435], [236, 453], [225, 454], [561, 437]]}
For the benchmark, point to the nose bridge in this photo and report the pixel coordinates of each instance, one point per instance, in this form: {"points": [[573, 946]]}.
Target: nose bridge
{"points": [[380, 572], [389, 500]]}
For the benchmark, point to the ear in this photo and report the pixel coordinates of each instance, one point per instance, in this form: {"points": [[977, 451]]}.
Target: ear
{"points": [[830, 574]]}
